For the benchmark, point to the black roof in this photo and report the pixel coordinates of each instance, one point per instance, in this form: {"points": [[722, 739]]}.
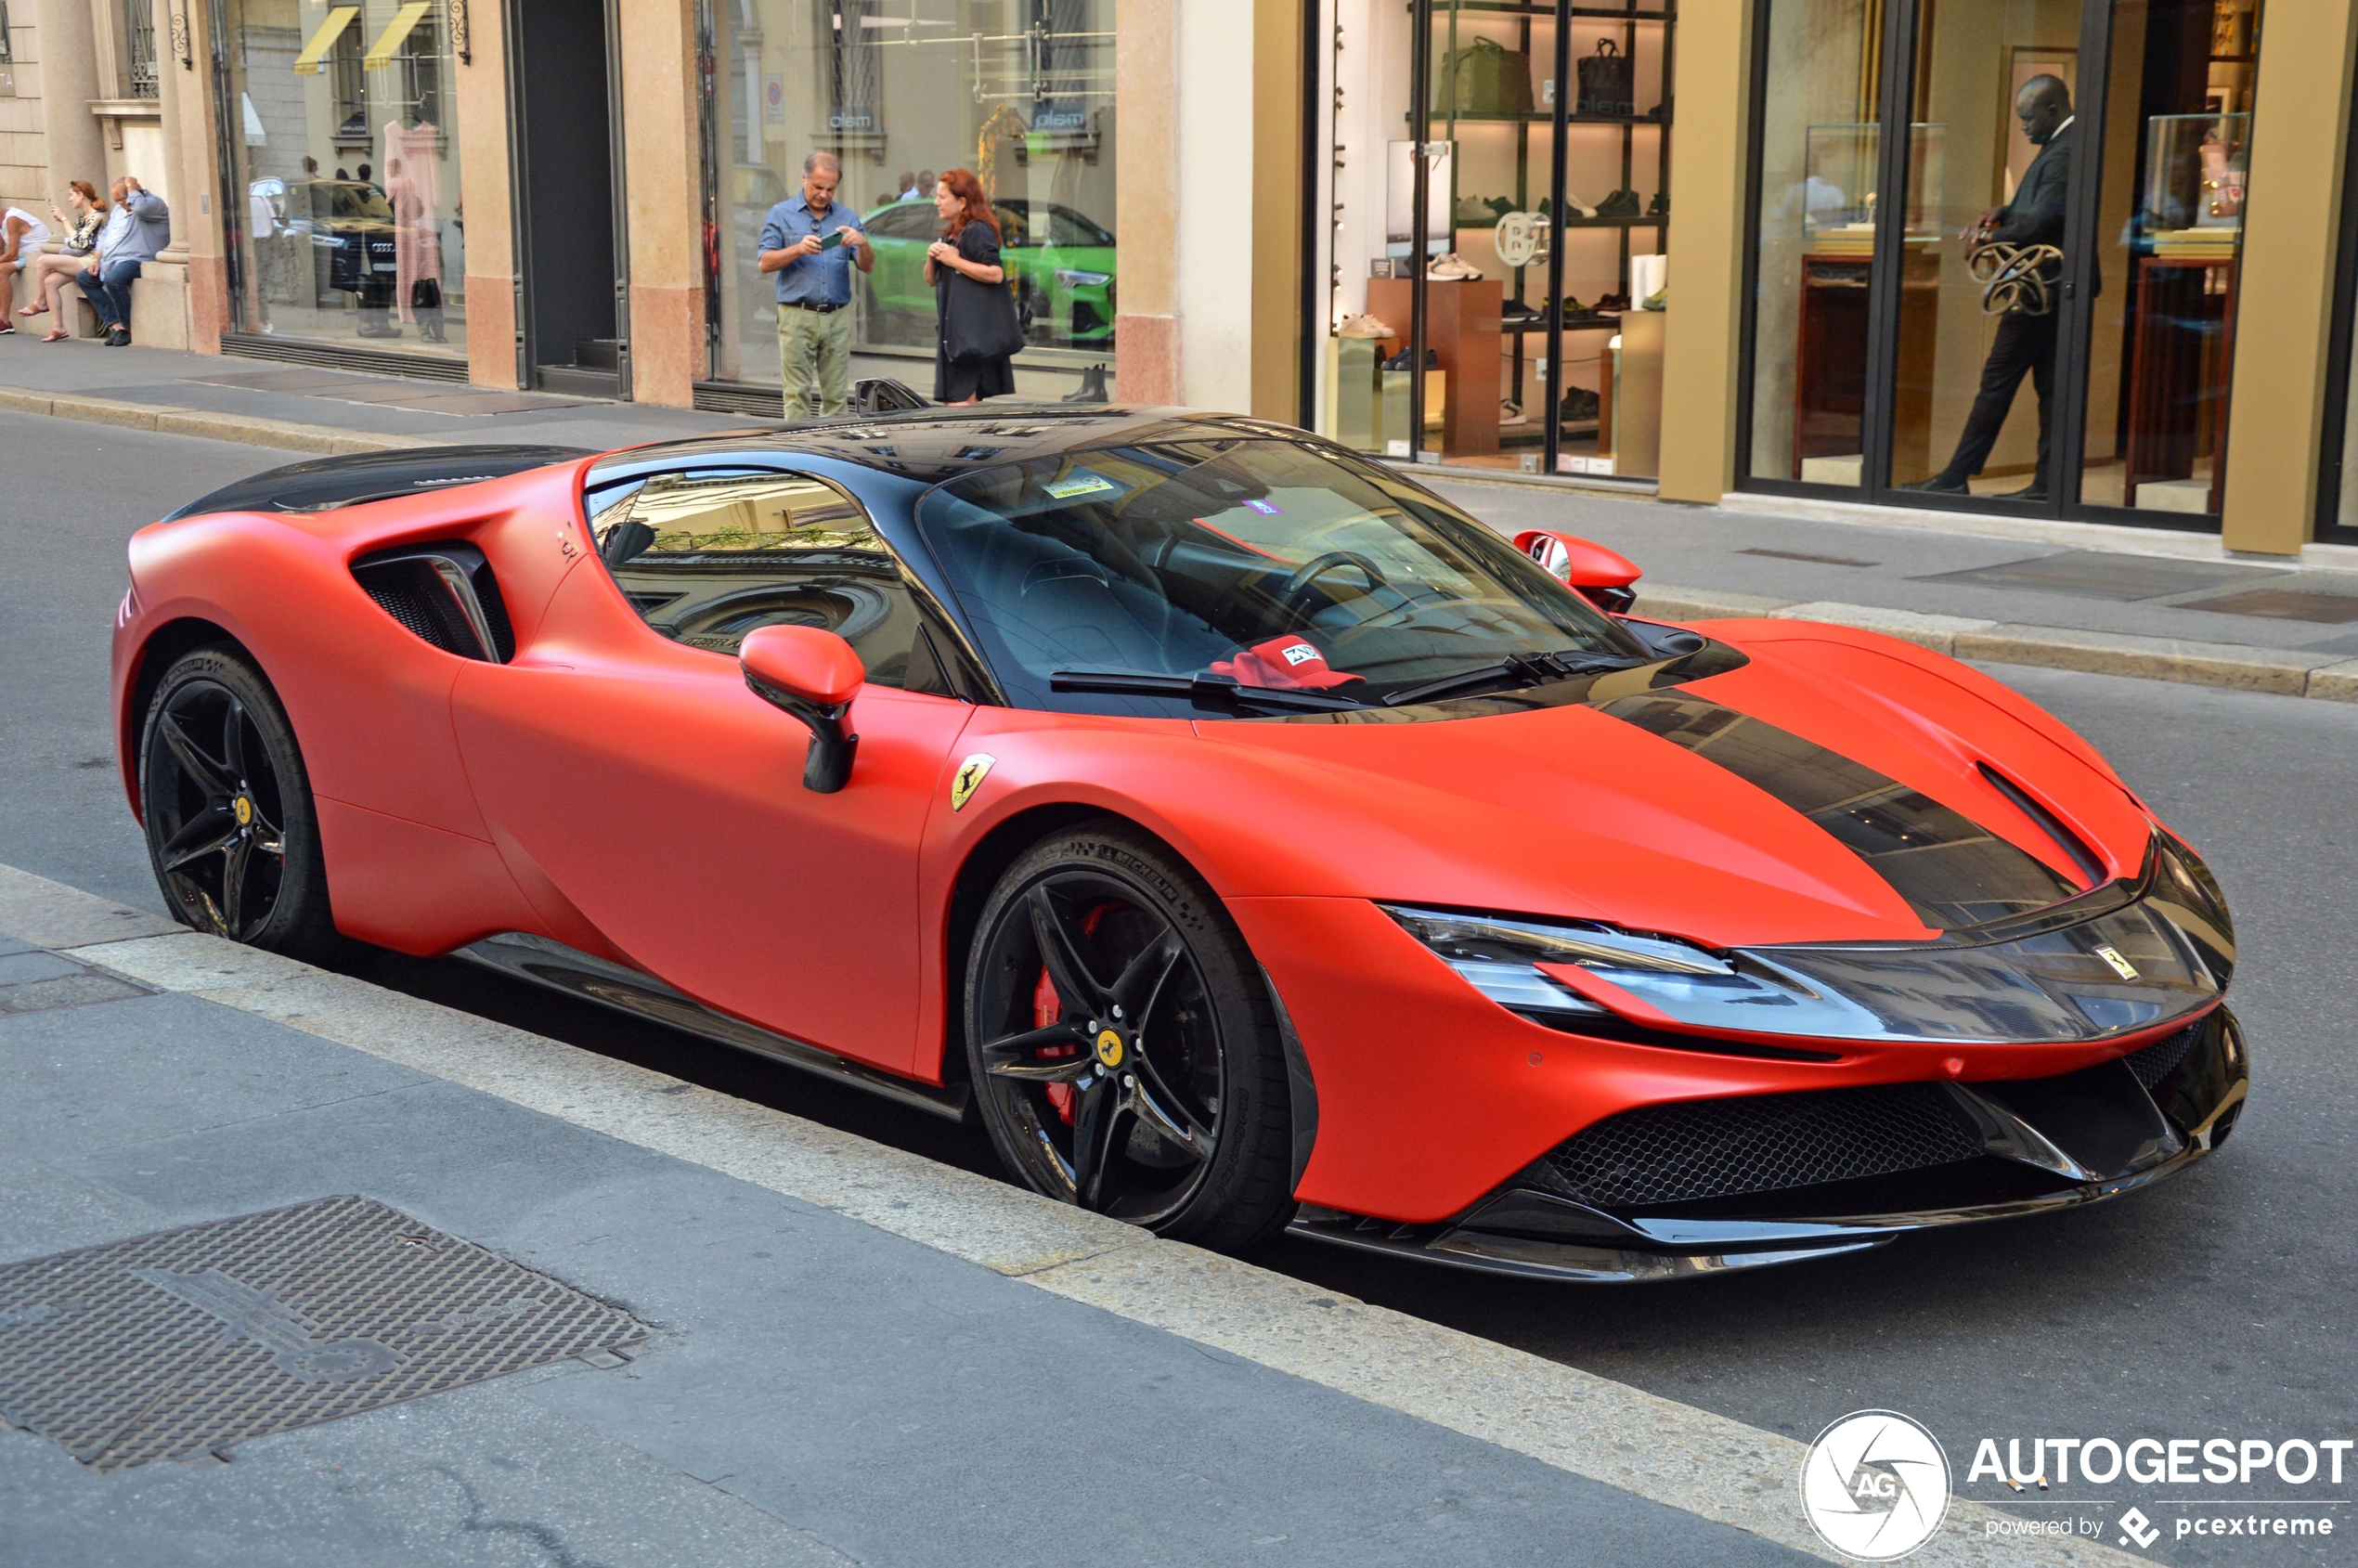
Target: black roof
{"points": [[319, 483], [934, 444]]}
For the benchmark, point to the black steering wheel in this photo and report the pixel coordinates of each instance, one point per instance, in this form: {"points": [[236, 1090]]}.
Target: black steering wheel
{"points": [[1319, 567]]}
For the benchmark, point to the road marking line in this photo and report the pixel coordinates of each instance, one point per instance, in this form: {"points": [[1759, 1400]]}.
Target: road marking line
{"points": [[1673, 1454]]}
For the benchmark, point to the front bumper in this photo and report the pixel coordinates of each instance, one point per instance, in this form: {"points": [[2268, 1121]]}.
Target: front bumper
{"points": [[1685, 1188]]}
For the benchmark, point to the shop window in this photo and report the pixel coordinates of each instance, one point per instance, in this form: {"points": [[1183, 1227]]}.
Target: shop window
{"points": [[1937, 318], [1534, 275], [1020, 94], [342, 180]]}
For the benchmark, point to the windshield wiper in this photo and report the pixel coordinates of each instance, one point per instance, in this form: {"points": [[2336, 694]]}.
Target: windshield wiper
{"points": [[1524, 669], [1202, 686]]}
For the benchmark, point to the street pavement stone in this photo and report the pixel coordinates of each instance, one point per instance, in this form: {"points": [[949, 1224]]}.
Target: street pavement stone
{"points": [[815, 1386]]}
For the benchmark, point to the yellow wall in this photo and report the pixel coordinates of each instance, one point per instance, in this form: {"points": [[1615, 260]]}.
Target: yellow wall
{"points": [[1707, 168], [2285, 298]]}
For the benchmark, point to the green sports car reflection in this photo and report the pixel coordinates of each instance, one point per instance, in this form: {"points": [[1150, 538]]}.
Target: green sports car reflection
{"points": [[1062, 263]]}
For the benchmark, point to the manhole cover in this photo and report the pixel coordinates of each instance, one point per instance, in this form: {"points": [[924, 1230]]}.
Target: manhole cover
{"points": [[2282, 604], [170, 1345]]}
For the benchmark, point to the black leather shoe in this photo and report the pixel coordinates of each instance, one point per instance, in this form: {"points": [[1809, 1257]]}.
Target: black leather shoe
{"points": [[1938, 486], [119, 338], [2037, 494]]}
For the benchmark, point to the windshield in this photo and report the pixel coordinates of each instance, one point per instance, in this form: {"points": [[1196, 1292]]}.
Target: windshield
{"points": [[1261, 564]]}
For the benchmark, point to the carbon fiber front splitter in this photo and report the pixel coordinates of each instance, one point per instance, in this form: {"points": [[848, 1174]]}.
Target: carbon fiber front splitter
{"points": [[2047, 1143]]}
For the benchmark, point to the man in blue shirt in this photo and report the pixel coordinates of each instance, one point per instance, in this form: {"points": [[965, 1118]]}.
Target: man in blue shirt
{"points": [[812, 244], [139, 227]]}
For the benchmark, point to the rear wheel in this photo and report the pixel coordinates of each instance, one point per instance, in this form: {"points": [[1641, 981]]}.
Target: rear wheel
{"points": [[231, 830], [1122, 1046]]}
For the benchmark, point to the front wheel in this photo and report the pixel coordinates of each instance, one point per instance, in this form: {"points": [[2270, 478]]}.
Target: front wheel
{"points": [[231, 830], [1123, 1045]]}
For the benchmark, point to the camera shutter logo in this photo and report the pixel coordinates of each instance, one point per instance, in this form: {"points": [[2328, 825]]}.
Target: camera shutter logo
{"points": [[1875, 1485]]}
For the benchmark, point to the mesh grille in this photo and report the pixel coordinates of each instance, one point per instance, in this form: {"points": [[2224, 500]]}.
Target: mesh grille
{"points": [[2161, 1060], [1763, 1143], [406, 601]]}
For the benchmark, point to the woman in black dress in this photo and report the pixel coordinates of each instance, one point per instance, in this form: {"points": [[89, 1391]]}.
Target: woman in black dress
{"points": [[978, 332]]}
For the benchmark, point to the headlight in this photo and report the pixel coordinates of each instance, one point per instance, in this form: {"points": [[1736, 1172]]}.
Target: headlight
{"points": [[1072, 278], [2126, 959]]}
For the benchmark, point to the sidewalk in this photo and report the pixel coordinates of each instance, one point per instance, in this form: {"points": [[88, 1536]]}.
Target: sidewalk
{"points": [[834, 1352], [2121, 602]]}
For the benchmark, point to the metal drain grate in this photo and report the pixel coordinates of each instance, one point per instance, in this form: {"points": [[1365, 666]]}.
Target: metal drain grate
{"points": [[188, 1340]]}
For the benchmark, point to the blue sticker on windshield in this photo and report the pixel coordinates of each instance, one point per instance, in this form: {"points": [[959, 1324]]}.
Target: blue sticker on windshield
{"points": [[1082, 484], [1266, 508]]}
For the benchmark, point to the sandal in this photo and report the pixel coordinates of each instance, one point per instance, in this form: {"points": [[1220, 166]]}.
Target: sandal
{"points": [[56, 337], [34, 310]]}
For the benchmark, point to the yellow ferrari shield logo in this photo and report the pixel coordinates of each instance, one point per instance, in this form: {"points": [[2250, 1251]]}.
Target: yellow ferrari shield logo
{"points": [[1109, 1048], [2120, 966], [969, 778], [243, 808]]}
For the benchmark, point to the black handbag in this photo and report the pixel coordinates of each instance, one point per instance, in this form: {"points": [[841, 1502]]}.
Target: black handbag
{"points": [[1606, 85]]}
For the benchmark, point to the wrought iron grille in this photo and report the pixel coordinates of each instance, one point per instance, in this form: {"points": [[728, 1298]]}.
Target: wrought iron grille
{"points": [[139, 50]]}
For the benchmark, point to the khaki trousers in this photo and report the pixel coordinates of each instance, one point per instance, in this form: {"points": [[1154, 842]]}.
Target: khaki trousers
{"points": [[814, 348]]}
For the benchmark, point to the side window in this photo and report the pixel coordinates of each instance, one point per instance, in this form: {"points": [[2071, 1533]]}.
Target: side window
{"points": [[707, 557]]}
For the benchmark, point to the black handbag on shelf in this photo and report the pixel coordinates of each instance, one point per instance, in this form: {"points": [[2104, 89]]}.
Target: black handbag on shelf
{"points": [[1606, 84]]}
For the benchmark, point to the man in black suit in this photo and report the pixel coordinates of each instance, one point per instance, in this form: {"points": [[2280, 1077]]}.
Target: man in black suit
{"points": [[2026, 344]]}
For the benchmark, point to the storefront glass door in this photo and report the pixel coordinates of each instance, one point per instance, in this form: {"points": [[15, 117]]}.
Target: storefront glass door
{"points": [[2042, 320]]}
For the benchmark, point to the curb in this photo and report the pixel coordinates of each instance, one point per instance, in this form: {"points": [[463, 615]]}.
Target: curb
{"points": [[2282, 672], [281, 434]]}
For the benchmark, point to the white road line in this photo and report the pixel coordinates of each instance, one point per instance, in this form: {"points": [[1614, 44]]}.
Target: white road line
{"points": [[1656, 1448]]}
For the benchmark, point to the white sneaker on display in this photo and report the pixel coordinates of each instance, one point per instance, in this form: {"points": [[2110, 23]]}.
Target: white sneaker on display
{"points": [[1364, 327], [1452, 268]]}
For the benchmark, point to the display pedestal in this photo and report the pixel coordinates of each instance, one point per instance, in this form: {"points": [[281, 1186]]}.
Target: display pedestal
{"points": [[1354, 380], [1462, 330], [1830, 364], [1631, 414], [2181, 350]]}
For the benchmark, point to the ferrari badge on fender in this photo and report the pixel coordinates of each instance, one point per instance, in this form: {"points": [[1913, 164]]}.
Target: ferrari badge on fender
{"points": [[969, 778]]}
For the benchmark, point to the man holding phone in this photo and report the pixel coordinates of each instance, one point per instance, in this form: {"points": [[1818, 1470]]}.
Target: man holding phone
{"points": [[812, 243]]}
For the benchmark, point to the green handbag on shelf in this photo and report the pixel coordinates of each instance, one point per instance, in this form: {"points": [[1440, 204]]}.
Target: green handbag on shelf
{"points": [[1483, 78]]}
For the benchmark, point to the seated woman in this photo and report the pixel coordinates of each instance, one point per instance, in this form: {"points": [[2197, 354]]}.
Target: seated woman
{"points": [[21, 237], [51, 274]]}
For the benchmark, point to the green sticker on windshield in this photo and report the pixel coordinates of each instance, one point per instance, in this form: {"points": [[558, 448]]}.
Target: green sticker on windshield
{"points": [[1080, 484]]}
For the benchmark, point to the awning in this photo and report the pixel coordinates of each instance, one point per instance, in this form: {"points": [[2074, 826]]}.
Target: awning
{"points": [[380, 53], [325, 39]]}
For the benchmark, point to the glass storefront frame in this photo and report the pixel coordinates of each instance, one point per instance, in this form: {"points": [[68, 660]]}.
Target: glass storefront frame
{"points": [[1045, 101], [1474, 81], [417, 332], [1898, 83], [2337, 512]]}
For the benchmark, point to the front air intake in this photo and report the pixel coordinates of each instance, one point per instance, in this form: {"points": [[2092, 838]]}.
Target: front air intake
{"points": [[444, 594]]}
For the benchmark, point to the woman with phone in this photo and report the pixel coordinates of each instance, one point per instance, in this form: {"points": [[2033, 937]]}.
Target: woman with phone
{"points": [[51, 274], [978, 332]]}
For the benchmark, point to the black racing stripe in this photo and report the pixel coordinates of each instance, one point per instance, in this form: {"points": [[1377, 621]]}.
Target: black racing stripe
{"points": [[1953, 874]]}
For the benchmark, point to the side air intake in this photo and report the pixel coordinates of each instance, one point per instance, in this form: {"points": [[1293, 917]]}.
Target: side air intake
{"points": [[446, 594]]}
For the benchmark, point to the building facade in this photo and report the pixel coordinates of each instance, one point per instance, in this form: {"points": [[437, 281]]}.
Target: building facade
{"points": [[1712, 248]]}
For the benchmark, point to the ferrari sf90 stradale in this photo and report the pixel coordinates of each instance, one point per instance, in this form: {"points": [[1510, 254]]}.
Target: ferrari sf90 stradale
{"points": [[1247, 835]]}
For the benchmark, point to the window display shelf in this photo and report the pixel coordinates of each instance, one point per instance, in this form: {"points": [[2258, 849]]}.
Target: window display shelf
{"points": [[1546, 117], [1545, 12], [1658, 220]]}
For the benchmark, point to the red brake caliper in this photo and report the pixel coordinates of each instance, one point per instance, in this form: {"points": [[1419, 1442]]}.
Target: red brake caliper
{"points": [[1047, 1008]]}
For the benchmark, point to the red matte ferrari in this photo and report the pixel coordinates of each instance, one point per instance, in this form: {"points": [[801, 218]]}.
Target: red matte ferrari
{"points": [[1247, 835]]}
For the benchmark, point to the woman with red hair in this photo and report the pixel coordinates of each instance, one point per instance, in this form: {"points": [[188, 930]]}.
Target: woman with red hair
{"points": [[978, 332]]}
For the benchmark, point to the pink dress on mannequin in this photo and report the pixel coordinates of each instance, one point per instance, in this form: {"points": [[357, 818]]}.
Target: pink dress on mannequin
{"points": [[413, 179]]}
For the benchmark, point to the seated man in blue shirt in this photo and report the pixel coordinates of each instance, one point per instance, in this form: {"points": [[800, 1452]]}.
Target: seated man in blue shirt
{"points": [[814, 286]]}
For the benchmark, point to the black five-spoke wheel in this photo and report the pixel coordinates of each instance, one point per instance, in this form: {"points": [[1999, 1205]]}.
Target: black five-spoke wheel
{"points": [[1120, 1056], [229, 821]]}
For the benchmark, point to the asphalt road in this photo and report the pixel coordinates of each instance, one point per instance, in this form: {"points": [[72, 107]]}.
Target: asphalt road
{"points": [[2219, 1304]]}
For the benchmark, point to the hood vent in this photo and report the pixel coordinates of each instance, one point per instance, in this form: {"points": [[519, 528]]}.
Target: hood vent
{"points": [[446, 594], [2092, 870]]}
